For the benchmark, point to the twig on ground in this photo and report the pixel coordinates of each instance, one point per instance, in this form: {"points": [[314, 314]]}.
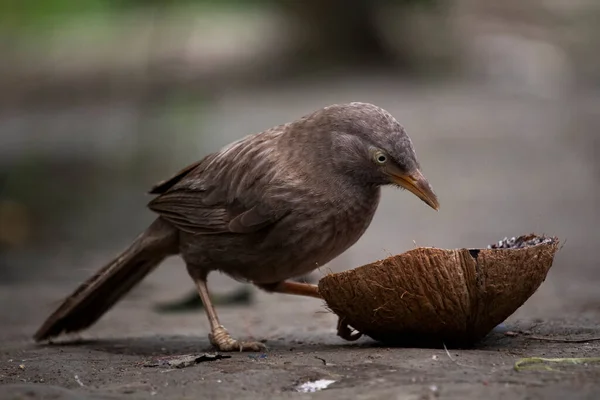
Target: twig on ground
{"points": [[562, 340], [79, 382], [456, 362]]}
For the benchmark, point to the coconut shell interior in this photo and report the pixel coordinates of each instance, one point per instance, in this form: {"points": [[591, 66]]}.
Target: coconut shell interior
{"points": [[431, 295]]}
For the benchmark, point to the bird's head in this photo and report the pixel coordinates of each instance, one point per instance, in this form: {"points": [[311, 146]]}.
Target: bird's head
{"points": [[371, 146]]}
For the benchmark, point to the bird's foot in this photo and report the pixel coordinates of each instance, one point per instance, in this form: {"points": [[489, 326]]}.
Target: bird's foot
{"points": [[345, 332], [223, 341]]}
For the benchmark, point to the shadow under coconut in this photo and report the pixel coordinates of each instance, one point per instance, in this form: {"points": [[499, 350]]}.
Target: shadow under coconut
{"points": [[494, 340]]}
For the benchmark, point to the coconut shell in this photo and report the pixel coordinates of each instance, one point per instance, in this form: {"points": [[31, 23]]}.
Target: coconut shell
{"points": [[454, 296]]}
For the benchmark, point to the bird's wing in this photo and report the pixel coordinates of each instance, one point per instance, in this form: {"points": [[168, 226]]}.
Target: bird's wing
{"points": [[185, 209], [217, 195]]}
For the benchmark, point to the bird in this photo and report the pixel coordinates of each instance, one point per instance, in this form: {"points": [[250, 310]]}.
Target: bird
{"points": [[264, 209]]}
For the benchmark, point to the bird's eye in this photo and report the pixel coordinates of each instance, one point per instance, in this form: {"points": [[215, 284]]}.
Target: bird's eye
{"points": [[380, 158]]}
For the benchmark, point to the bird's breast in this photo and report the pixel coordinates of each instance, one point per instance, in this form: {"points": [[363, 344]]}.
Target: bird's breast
{"points": [[320, 230]]}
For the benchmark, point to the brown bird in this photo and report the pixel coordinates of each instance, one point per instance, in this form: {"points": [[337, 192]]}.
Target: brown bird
{"points": [[266, 208]]}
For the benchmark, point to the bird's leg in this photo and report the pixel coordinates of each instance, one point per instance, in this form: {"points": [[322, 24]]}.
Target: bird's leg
{"points": [[305, 289], [219, 337], [295, 288]]}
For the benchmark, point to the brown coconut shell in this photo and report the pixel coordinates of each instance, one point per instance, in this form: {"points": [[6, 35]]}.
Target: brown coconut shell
{"points": [[432, 295]]}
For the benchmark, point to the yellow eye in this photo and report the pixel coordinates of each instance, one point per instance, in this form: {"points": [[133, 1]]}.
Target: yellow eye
{"points": [[380, 158]]}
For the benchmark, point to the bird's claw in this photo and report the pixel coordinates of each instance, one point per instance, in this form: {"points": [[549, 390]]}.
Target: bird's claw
{"points": [[223, 341], [345, 331]]}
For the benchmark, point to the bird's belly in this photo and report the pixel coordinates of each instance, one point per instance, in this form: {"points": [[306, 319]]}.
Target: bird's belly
{"points": [[245, 258], [293, 247]]}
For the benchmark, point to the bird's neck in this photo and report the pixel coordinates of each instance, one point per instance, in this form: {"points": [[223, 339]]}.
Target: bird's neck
{"points": [[312, 161]]}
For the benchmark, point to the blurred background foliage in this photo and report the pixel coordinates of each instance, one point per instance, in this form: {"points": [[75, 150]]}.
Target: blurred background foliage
{"points": [[36, 11]]}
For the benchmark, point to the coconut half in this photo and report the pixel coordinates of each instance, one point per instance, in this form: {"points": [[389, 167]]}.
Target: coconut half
{"points": [[433, 296]]}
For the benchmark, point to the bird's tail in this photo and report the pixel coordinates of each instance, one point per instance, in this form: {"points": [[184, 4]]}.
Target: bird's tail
{"points": [[99, 293]]}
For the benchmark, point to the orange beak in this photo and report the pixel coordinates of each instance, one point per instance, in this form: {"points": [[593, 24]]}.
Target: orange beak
{"points": [[418, 185]]}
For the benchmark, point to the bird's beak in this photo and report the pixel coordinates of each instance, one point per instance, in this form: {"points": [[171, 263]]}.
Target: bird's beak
{"points": [[416, 183]]}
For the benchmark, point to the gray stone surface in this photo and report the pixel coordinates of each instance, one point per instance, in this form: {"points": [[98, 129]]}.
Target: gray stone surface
{"points": [[502, 166]]}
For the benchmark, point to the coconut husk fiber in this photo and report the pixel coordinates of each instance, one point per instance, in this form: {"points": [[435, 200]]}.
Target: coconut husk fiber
{"points": [[432, 295]]}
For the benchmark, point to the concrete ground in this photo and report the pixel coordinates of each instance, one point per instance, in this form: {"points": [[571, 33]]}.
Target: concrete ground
{"points": [[501, 165]]}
